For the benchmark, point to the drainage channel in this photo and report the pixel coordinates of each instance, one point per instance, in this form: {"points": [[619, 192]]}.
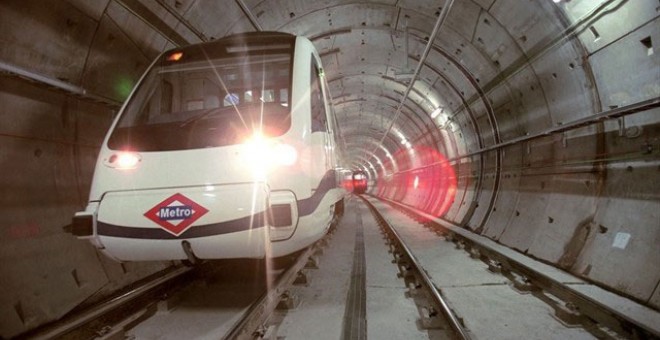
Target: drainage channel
{"points": [[355, 314]]}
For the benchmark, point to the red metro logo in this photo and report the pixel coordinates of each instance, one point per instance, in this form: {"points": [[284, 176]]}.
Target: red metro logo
{"points": [[176, 213]]}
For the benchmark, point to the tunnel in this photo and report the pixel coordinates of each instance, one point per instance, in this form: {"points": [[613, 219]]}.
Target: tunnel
{"points": [[535, 123]]}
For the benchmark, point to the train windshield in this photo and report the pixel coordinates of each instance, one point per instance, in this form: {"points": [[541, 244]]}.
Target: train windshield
{"points": [[211, 95]]}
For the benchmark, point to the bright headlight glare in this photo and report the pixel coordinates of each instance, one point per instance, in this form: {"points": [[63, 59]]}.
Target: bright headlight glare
{"points": [[285, 154], [264, 153]]}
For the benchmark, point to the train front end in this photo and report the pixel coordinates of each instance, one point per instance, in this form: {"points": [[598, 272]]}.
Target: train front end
{"points": [[184, 171]]}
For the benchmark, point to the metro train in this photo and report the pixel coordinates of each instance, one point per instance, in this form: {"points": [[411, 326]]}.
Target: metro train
{"points": [[359, 179], [225, 149]]}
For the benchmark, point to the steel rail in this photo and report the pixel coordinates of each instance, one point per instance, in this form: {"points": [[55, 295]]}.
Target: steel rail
{"points": [[257, 314], [101, 309], [453, 321], [626, 324]]}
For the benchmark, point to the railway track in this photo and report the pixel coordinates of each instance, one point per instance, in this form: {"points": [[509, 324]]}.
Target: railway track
{"points": [[574, 303], [254, 288], [254, 323], [379, 273], [419, 282], [96, 320]]}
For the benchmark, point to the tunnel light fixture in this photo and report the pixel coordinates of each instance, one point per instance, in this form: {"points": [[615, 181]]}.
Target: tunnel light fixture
{"points": [[442, 120], [437, 111], [440, 115]]}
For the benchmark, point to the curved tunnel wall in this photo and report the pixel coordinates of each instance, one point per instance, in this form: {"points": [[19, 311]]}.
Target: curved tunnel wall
{"points": [[49, 137], [583, 199], [502, 70]]}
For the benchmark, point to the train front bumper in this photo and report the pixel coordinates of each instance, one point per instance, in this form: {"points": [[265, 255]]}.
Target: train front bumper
{"points": [[216, 221]]}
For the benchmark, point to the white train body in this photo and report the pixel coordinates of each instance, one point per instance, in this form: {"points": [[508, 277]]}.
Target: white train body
{"points": [[223, 150]]}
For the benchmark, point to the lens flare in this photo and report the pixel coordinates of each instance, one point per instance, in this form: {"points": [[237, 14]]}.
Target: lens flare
{"points": [[429, 186], [285, 154], [263, 155]]}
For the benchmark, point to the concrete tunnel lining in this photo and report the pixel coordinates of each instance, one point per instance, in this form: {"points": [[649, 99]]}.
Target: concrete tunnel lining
{"points": [[562, 196]]}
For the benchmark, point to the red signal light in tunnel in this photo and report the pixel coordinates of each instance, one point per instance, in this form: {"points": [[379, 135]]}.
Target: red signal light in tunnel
{"points": [[433, 182], [447, 178]]}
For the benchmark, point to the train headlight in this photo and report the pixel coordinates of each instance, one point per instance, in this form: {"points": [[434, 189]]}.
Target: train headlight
{"points": [[264, 154], [124, 160], [285, 154]]}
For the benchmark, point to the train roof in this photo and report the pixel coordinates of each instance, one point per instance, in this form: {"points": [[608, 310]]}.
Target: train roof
{"points": [[257, 36], [199, 51]]}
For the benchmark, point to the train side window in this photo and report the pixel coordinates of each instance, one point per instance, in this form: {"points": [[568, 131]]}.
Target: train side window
{"points": [[319, 120]]}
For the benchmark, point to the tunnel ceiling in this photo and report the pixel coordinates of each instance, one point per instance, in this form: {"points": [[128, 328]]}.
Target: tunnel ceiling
{"points": [[491, 61], [371, 49]]}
